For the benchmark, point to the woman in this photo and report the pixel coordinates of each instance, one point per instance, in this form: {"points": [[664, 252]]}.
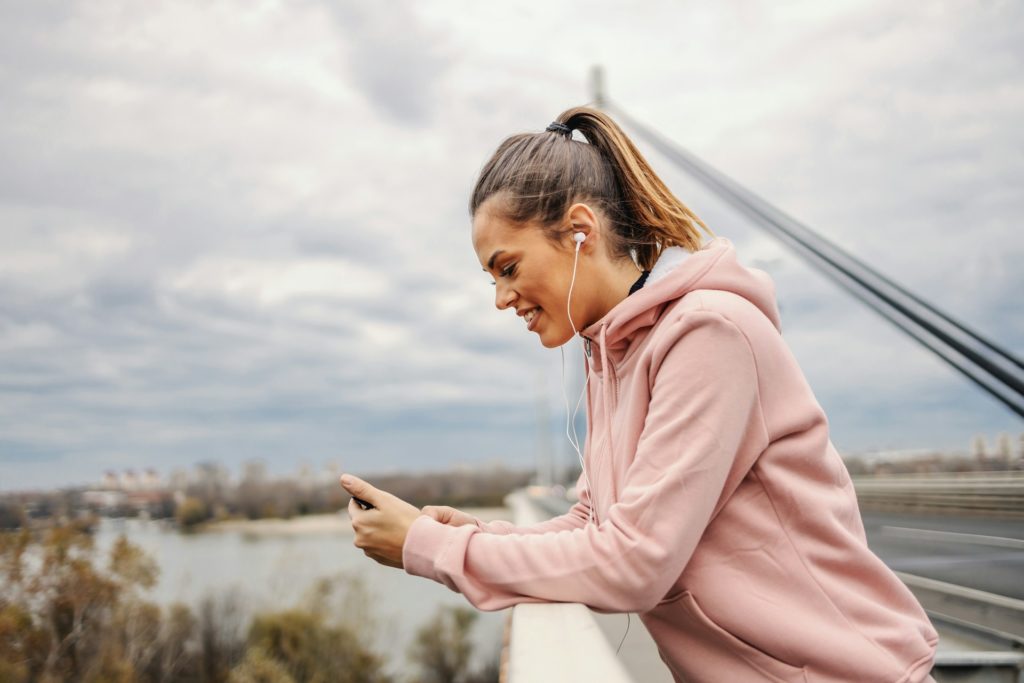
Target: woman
{"points": [[712, 501]]}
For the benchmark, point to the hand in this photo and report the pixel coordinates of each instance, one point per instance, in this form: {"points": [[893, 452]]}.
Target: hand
{"points": [[448, 515], [381, 531]]}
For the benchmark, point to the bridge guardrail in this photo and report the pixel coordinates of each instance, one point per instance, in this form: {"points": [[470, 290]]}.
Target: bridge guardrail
{"points": [[984, 493], [582, 653], [995, 614]]}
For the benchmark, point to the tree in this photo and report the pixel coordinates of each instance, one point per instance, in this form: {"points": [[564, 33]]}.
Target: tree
{"points": [[12, 516], [311, 650], [59, 613], [65, 615], [442, 648], [259, 667], [327, 638], [191, 512]]}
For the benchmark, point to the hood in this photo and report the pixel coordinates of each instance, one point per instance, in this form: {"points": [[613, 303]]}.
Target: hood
{"points": [[714, 266]]}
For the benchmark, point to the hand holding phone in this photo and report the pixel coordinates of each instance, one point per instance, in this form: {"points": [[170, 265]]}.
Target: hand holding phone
{"points": [[381, 536]]}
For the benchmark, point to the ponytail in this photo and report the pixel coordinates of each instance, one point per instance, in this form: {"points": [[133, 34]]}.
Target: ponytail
{"points": [[537, 177]]}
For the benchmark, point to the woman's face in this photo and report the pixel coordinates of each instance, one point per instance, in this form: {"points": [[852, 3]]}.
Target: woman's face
{"points": [[531, 275]]}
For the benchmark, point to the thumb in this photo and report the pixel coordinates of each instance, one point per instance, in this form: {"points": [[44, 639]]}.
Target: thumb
{"points": [[360, 489], [438, 513]]}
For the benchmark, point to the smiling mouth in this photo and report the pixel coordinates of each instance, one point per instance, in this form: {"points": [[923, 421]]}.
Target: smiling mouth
{"points": [[531, 318]]}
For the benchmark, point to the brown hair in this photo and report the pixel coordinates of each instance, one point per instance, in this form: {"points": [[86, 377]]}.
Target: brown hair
{"points": [[538, 176]]}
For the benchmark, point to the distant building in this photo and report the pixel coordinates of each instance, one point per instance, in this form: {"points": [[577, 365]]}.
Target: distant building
{"points": [[978, 450], [103, 500], [1004, 451], [130, 481], [178, 480], [151, 479], [211, 479], [254, 471], [305, 477], [330, 474]]}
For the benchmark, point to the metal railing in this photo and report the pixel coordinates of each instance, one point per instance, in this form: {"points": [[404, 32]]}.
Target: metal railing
{"points": [[989, 493], [981, 634], [995, 615]]}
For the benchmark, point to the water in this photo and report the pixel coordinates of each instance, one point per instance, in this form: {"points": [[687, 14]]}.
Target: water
{"points": [[274, 571]]}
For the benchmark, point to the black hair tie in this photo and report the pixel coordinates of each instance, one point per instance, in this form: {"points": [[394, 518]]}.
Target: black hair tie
{"points": [[557, 127]]}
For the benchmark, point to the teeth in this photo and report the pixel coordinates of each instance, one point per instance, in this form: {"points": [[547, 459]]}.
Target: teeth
{"points": [[529, 315]]}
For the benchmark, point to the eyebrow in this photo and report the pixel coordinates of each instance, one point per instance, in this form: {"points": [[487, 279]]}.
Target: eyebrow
{"points": [[490, 263]]}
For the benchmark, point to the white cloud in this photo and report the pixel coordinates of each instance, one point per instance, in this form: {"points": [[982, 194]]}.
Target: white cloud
{"points": [[270, 282], [241, 229]]}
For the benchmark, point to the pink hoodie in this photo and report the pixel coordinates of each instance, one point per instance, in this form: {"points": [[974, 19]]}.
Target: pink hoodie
{"points": [[724, 515]]}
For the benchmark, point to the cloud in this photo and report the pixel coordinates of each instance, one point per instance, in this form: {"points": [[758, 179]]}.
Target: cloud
{"points": [[241, 230], [395, 59]]}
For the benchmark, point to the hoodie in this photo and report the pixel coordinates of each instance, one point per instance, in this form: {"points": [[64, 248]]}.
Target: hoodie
{"points": [[723, 514]]}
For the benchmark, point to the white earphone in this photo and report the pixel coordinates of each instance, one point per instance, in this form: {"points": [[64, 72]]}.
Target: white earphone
{"points": [[570, 421]]}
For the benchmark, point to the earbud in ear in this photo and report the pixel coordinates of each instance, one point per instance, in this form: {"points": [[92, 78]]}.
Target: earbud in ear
{"points": [[578, 237]]}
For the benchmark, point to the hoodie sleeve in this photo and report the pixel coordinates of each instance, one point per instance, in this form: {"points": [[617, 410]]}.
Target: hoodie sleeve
{"points": [[575, 518], [704, 410]]}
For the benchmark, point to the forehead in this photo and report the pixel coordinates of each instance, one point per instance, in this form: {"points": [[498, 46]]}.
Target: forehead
{"points": [[493, 232]]}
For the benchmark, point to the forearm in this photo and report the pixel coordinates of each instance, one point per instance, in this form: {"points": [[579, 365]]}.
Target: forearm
{"points": [[575, 518]]}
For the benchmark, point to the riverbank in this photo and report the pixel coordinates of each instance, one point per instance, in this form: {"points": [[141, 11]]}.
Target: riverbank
{"points": [[271, 565], [338, 523]]}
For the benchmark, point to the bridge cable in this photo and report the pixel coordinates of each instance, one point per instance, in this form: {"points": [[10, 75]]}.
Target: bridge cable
{"points": [[774, 220]]}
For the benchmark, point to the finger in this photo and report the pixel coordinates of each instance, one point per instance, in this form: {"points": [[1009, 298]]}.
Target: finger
{"points": [[381, 559], [360, 489], [436, 512]]}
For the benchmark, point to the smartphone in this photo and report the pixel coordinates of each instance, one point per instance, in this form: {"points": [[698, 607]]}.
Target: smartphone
{"points": [[362, 503]]}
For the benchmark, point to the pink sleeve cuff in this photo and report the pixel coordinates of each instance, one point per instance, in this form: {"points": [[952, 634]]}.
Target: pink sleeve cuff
{"points": [[424, 544], [496, 527]]}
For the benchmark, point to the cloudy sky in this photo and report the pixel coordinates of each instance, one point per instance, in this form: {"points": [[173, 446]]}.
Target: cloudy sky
{"points": [[238, 230]]}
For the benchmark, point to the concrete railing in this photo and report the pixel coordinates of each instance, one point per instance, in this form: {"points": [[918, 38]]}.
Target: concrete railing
{"points": [[556, 641], [987, 493]]}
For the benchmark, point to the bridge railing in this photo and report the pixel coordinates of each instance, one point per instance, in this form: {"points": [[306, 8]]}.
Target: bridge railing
{"points": [[556, 641], [985, 493]]}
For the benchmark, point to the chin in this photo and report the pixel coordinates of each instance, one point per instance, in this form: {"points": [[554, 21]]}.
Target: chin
{"points": [[553, 341]]}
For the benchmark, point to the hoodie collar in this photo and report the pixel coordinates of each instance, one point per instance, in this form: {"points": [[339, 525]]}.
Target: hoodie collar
{"points": [[676, 273], [669, 259]]}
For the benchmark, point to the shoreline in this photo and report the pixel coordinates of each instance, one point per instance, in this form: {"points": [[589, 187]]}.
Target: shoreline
{"points": [[330, 523]]}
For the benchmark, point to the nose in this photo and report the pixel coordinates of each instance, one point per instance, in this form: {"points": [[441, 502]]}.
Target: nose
{"points": [[503, 296]]}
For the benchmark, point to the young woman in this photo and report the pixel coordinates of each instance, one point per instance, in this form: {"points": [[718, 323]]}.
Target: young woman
{"points": [[712, 501]]}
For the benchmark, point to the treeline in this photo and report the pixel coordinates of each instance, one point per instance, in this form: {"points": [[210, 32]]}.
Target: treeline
{"points": [[68, 614], [212, 495], [934, 463], [458, 489], [259, 499]]}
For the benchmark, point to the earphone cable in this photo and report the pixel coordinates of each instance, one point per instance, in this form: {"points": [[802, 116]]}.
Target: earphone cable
{"points": [[570, 421], [572, 436], [624, 634]]}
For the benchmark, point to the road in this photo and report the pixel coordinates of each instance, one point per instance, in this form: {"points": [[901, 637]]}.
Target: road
{"points": [[985, 554]]}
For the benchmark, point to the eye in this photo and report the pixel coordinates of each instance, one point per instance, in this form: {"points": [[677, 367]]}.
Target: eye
{"points": [[507, 271]]}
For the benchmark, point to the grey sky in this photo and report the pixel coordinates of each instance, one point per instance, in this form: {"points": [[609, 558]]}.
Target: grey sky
{"points": [[239, 230]]}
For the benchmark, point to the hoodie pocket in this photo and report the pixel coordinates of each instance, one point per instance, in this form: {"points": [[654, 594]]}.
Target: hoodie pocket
{"points": [[772, 668]]}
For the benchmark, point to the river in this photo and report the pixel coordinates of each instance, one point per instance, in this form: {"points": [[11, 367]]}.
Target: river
{"points": [[272, 565]]}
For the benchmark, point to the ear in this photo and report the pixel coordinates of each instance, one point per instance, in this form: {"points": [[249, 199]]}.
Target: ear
{"points": [[581, 218]]}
